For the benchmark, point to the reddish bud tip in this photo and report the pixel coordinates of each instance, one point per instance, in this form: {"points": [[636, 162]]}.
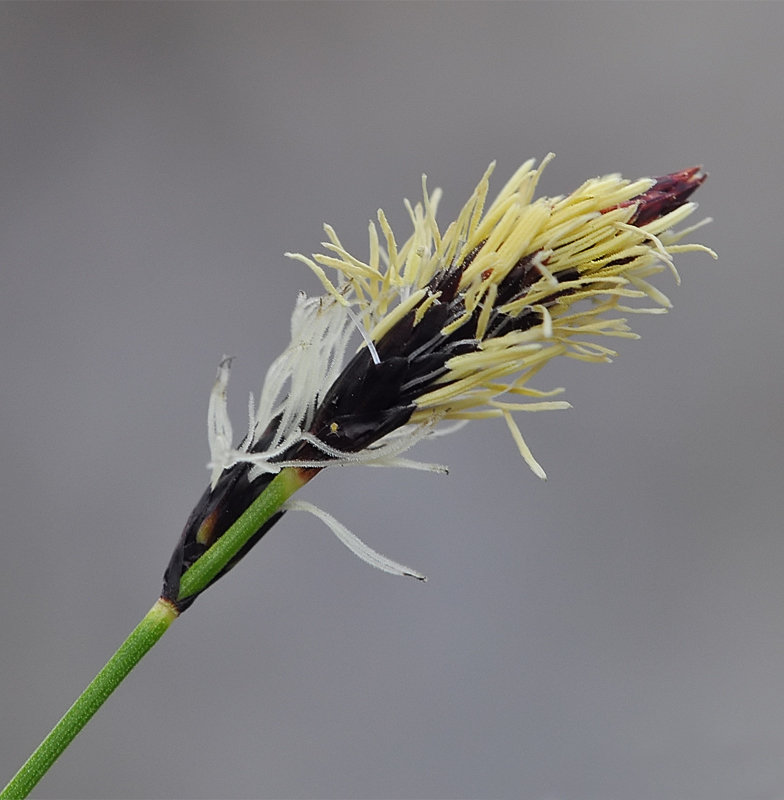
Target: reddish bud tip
{"points": [[667, 194]]}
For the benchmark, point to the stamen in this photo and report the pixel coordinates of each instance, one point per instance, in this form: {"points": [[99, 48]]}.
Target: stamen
{"points": [[525, 452]]}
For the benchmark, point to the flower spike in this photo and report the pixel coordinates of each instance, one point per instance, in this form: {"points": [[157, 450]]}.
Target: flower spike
{"points": [[452, 326]]}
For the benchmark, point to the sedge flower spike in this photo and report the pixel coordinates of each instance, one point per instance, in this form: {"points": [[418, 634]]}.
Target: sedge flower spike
{"points": [[452, 327]]}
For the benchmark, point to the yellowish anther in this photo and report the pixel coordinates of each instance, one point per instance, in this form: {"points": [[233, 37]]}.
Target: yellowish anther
{"points": [[320, 274], [525, 451], [391, 245], [374, 248], [488, 303], [431, 204], [456, 324], [393, 317], [476, 203], [423, 308]]}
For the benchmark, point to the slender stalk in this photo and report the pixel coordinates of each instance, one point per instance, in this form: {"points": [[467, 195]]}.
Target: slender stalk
{"points": [[285, 483], [150, 630], [132, 650]]}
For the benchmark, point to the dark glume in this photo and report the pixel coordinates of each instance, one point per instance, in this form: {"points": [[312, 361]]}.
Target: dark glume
{"points": [[217, 510]]}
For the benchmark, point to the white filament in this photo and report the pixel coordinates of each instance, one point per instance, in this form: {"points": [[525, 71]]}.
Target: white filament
{"points": [[354, 543]]}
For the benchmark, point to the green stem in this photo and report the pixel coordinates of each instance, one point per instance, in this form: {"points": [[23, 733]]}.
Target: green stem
{"points": [[144, 636], [150, 629], [284, 484]]}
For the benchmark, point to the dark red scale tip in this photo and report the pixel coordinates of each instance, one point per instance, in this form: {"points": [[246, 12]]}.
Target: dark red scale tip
{"points": [[669, 193]]}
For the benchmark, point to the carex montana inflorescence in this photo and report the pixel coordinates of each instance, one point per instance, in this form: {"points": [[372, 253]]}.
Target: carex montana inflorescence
{"points": [[450, 326], [453, 326]]}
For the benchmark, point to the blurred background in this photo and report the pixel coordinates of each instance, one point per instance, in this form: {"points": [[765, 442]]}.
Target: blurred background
{"points": [[616, 632]]}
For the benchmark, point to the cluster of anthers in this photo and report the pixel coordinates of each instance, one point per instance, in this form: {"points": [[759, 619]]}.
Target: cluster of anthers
{"points": [[453, 327]]}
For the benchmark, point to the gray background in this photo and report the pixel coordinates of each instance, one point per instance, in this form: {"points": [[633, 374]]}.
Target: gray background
{"points": [[617, 632]]}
